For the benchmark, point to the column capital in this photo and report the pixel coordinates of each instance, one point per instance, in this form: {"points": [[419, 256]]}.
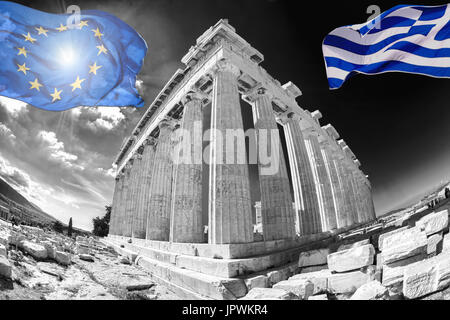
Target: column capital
{"points": [[194, 95], [167, 124], [332, 132], [310, 131], [226, 66]]}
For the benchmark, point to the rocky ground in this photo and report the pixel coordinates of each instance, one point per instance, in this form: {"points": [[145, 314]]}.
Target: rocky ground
{"points": [[33, 269], [402, 257]]}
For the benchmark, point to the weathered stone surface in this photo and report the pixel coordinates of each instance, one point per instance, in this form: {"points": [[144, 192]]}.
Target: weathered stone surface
{"points": [[257, 282], [347, 246], [3, 251], [433, 222], [319, 297], [313, 268], [349, 282], [37, 251], [403, 245], [388, 235], [269, 294], [434, 242], [419, 280], [51, 250], [63, 258], [351, 259], [446, 243], [86, 257], [279, 275], [302, 288], [372, 290], [318, 278], [5, 268], [313, 257]]}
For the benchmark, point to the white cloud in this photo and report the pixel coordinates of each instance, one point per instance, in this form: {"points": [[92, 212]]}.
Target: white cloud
{"points": [[12, 106], [6, 132], [56, 150], [111, 172]]}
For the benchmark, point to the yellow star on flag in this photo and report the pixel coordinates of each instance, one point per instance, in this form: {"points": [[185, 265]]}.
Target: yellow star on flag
{"points": [[77, 84], [82, 24], [28, 37], [22, 68], [22, 51], [97, 33], [93, 69], [61, 28], [35, 85], [101, 49], [56, 95], [41, 31]]}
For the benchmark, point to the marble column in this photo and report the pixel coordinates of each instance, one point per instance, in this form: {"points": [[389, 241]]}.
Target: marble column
{"points": [[158, 219], [148, 155], [127, 198], [230, 214], [347, 205], [135, 220], [308, 215], [336, 186], [115, 205], [323, 185], [186, 215], [278, 218], [357, 213]]}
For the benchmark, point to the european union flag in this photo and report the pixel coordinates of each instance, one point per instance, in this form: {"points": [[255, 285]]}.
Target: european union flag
{"points": [[55, 65]]}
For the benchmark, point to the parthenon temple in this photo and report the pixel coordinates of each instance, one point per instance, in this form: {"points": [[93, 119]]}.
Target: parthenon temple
{"points": [[196, 225]]}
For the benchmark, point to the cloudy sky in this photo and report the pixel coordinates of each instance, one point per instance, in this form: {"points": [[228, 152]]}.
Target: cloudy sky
{"points": [[397, 125]]}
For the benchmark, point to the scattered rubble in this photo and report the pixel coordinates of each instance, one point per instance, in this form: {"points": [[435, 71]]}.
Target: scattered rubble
{"points": [[36, 265]]}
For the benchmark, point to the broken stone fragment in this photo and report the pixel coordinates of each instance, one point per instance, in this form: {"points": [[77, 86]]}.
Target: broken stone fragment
{"points": [[257, 282], [433, 222], [434, 243], [318, 278], [372, 290], [302, 288], [408, 243], [269, 294], [86, 257], [63, 258], [347, 246], [389, 235], [349, 282], [313, 258], [351, 259], [5, 268], [35, 250], [3, 251]]}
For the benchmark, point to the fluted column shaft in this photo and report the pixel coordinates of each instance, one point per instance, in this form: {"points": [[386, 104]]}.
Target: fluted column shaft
{"points": [[308, 214], [230, 215], [148, 155], [158, 220], [115, 206], [278, 218], [323, 185], [125, 229], [336, 187], [186, 219], [346, 205], [135, 219]]}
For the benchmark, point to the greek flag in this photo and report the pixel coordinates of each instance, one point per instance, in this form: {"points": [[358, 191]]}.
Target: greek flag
{"points": [[406, 38]]}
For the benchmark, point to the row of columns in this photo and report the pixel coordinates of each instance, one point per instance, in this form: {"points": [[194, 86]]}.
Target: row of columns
{"points": [[159, 200]]}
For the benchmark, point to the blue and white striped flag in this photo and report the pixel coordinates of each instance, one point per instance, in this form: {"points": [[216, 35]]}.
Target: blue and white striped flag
{"points": [[406, 38]]}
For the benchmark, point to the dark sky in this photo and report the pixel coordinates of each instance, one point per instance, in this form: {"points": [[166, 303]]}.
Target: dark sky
{"points": [[398, 125]]}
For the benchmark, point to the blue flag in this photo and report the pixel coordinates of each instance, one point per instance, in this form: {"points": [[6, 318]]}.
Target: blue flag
{"points": [[56, 64], [406, 38]]}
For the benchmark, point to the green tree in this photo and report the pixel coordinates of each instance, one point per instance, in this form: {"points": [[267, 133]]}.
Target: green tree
{"points": [[101, 225], [70, 229], [58, 226]]}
